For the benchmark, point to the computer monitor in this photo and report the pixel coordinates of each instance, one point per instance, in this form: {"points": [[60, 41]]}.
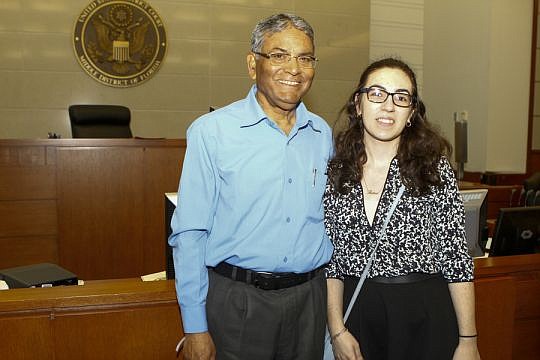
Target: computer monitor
{"points": [[170, 206], [517, 232], [476, 230]]}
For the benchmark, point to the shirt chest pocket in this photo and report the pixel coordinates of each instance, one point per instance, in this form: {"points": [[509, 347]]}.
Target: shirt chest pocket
{"points": [[314, 189]]}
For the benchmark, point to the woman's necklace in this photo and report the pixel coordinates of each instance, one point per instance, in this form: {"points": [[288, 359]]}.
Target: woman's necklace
{"points": [[369, 190]]}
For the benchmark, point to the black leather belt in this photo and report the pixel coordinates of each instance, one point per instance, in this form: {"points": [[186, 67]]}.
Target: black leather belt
{"points": [[403, 279], [265, 280]]}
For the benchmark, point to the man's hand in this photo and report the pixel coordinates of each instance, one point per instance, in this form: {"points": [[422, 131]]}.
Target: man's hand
{"points": [[199, 346]]}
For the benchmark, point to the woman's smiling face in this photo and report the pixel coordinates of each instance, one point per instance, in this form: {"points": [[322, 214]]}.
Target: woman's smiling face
{"points": [[385, 121]]}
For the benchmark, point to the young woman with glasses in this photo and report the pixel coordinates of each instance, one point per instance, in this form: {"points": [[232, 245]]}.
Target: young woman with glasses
{"points": [[418, 299]]}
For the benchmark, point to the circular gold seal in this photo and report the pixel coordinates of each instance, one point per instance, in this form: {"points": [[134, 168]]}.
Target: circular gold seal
{"points": [[120, 43]]}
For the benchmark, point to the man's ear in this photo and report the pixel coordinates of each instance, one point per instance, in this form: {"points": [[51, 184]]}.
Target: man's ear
{"points": [[252, 65]]}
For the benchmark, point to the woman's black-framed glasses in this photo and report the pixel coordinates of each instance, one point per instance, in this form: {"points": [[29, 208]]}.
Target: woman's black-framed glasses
{"points": [[377, 95], [281, 58]]}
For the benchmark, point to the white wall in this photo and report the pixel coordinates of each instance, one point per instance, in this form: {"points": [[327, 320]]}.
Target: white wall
{"points": [[205, 64], [509, 74], [477, 59], [397, 29], [468, 54]]}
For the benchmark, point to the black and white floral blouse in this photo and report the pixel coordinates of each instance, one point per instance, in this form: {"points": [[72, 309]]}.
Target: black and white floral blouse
{"points": [[425, 234]]}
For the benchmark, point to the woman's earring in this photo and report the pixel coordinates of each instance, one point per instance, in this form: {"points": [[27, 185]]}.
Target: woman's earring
{"points": [[409, 123]]}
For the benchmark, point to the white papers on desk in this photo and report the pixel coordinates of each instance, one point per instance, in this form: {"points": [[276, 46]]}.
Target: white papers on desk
{"points": [[155, 276], [173, 197], [486, 253], [3, 285]]}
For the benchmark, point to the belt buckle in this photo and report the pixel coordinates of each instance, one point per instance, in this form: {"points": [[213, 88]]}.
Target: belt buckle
{"points": [[264, 281]]}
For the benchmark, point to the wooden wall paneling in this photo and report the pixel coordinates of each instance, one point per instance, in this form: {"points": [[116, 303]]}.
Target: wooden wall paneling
{"points": [[22, 155], [27, 182], [495, 302], [533, 161], [526, 340], [28, 221], [496, 178], [527, 327], [112, 202], [525, 272], [27, 218], [501, 178], [28, 232], [27, 250], [26, 337], [528, 287], [162, 168], [118, 315], [137, 333], [101, 211], [105, 319]]}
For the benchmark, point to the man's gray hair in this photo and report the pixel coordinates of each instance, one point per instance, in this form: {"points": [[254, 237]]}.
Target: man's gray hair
{"points": [[277, 23]]}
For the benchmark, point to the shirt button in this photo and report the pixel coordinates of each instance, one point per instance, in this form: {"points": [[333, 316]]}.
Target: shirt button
{"points": [[288, 219], [290, 180], [285, 259]]}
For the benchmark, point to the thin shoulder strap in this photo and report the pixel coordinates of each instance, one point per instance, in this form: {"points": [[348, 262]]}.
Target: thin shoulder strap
{"points": [[372, 256]]}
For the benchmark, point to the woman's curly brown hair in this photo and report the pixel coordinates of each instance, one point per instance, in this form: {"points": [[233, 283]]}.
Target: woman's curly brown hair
{"points": [[420, 146]]}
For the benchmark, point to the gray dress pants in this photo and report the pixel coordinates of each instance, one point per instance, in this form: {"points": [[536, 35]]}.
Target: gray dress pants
{"points": [[247, 323]]}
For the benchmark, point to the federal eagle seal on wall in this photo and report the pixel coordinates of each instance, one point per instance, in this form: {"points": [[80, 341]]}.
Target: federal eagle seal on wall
{"points": [[119, 43]]}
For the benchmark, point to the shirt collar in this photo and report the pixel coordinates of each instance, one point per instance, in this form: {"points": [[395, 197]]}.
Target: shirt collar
{"points": [[303, 116]]}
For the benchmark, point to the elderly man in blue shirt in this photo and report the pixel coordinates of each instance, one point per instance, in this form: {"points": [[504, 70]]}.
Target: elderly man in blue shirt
{"points": [[248, 234]]}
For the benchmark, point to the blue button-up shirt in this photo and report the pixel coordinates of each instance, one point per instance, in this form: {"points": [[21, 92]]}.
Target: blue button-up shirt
{"points": [[249, 195]]}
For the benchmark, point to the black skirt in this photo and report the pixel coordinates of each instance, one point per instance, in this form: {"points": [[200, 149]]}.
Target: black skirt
{"points": [[404, 320]]}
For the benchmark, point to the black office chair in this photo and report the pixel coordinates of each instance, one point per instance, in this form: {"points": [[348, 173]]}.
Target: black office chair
{"points": [[521, 199], [531, 190], [516, 194], [537, 198], [100, 121], [529, 197], [532, 182]]}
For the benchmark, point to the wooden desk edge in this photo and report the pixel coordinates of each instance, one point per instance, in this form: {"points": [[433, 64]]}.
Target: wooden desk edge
{"points": [[102, 293], [94, 142], [500, 265], [138, 293]]}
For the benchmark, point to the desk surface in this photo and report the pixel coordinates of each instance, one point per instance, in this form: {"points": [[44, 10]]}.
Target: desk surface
{"points": [[92, 293], [136, 291], [504, 265], [116, 291]]}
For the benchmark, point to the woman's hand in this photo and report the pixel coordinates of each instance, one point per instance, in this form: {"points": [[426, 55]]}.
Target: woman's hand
{"points": [[467, 350], [346, 347]]}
